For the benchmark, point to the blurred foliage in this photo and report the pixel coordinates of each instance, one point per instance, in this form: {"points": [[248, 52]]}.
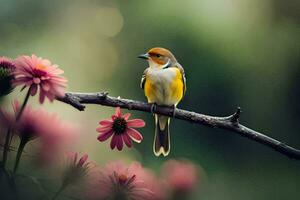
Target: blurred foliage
{"points": [[235, 53]]}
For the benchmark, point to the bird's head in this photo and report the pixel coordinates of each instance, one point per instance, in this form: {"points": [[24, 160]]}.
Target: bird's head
{"points": [[159, 57]]}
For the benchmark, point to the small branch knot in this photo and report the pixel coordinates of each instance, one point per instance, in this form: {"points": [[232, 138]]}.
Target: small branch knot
{"points": [[236, 116], [102, 95], [72, 100]]}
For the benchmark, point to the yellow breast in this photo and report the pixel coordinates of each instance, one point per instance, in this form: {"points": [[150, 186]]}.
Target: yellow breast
{"points": [[150, 90], [166, 88], [177, 88]]}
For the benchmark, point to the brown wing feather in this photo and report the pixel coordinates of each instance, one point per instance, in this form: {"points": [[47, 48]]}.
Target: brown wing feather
{"points": [[143, 80]]}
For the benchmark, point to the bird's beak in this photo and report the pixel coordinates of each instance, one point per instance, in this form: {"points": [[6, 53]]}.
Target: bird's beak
{"points": [[144, 56]]}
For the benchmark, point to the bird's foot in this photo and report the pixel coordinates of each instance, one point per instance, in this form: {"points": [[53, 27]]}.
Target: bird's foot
{"points": [[153, 107], [174, 111]]}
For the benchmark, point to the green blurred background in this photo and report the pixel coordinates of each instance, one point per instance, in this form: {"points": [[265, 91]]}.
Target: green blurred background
{"points": [[235, 53]]}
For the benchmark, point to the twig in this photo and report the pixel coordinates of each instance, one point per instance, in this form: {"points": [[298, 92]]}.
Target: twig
{"points": [[230, 122]]}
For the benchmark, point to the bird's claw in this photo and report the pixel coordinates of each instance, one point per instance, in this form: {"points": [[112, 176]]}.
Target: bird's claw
{"points": [[153, 107], [174, 111]]}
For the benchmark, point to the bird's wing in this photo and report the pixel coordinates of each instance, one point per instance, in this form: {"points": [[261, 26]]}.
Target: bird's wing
{"points": [[183, 76], [143, 80]]}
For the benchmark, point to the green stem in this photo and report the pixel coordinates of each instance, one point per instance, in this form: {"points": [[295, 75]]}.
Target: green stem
{"points": [[6, 147], [9, 136], [19, 153], [23, 105]]}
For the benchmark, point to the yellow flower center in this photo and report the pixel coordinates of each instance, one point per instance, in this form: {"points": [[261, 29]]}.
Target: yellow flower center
{"points": [[40, 70], [41, 67]]}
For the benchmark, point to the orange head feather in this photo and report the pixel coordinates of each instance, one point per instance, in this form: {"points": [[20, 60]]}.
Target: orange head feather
{"points": [[159, 56]]}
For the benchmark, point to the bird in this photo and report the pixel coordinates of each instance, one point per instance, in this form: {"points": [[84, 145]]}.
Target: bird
{"points": [[164, 84]]}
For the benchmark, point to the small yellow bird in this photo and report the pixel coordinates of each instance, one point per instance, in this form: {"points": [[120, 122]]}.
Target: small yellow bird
{"points": [[164, 83]]}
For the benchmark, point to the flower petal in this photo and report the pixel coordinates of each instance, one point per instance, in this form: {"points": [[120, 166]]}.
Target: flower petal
{"points": [[113, 117], [126, 116], [46, 86], [104, 136], [118, 112], [105, 122], [134, 135], [50, 96], [75, 158], [119, 143], [42, 96], [136, 123], [102, 129], [113, 141], [82, 160], [127, 140], [33, 89]]}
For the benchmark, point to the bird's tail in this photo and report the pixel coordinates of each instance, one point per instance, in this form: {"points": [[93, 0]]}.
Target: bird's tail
{"points": [[161, 143]]}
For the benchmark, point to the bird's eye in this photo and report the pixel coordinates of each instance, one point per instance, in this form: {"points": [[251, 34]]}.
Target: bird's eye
{"points": [[158, 55]]}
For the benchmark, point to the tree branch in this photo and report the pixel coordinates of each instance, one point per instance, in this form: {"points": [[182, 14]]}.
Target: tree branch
{"points": [[230, 122]]}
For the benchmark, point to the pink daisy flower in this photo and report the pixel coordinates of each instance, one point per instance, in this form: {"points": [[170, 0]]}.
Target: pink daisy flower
{"points": [[180, 176], [75, 162], [7, 68], [55, 139], [29, 126], [40, 124], [76, 169], [38, 73], [118, 181], [121, 129], [53, 134], [154, 184], [6, 64]]}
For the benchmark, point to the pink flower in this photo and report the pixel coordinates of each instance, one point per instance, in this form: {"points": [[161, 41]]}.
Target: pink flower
{"points": [[180, 176], [37, 73], [117, 181], [76, 169], [53, 134], [154, 184], [30, 125], [7, 64], [55, 140], [81, 163], [7, 68], [121, 129]]}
